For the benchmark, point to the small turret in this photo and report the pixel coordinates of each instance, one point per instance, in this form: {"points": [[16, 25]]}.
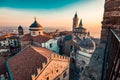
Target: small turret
{"points": [[20, 30], [80, 24], [76, 15], [75, 21]]}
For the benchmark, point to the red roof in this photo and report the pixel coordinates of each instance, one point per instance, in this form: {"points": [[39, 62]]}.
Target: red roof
{"points": [[25, 63], [39, 38], [2, 65]]}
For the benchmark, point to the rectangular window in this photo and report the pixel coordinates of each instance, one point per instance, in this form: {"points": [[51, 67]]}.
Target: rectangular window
{"points": [[50, 45]]}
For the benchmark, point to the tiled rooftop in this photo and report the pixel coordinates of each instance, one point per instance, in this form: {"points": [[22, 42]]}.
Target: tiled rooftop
{"points": [[2, 65], [25, 63], [39, 38]]}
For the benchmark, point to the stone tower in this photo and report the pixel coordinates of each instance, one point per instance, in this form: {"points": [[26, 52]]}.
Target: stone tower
{"points": [[111, 18], [20, 30], [75, 21], [80, 24]]}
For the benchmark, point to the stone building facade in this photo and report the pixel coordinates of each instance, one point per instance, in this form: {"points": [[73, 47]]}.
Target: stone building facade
{"points": [[60, 70], [111, 18], [38, 64], [9, 44], [51, 45]]}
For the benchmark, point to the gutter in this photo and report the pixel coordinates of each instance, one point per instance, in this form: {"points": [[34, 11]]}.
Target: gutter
{"points": [[9, 72]]}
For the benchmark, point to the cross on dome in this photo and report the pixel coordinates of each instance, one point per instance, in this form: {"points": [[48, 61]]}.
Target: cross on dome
{"points": [[35, 18]]}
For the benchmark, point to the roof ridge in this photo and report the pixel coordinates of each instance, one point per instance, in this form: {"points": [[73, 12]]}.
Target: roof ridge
{"points": [[27, 46], [34, 47], [7, 61]]}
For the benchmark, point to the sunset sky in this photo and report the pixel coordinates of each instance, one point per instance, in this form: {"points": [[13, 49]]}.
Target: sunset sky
{"points": [[57, 14]]}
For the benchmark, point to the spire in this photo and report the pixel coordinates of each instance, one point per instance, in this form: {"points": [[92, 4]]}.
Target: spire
{"points": [[19, 25], [35, 18], [76, 14], [80, 24]]}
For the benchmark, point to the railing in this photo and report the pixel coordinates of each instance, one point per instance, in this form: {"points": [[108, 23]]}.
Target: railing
{"points": [[111, 62]]}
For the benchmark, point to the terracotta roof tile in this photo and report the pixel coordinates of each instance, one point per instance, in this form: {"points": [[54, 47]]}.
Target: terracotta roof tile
{"points": [[25, 63], [2, 65], [39, 38], [25, 37]]}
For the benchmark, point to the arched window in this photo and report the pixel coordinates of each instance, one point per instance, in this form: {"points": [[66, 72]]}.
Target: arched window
{"points": [[82, 68], [71, 48], [57, 70], [50, 45], [33, 33], [47, 78]]}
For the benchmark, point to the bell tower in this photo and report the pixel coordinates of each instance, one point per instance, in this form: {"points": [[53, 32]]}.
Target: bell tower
{"points": [[20, 30], [111, 19], [80, 24], [75, 21]]}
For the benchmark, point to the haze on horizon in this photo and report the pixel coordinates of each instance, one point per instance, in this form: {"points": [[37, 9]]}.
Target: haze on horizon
{"points": [[57, 14]]}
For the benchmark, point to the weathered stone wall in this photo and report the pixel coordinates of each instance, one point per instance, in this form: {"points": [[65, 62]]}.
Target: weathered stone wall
{"points": [[56, 68], [111, 18]]}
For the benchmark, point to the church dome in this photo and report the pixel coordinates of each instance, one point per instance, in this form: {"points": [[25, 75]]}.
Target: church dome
{"points": [[35, 25], [67, 38], [87, 45]]}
